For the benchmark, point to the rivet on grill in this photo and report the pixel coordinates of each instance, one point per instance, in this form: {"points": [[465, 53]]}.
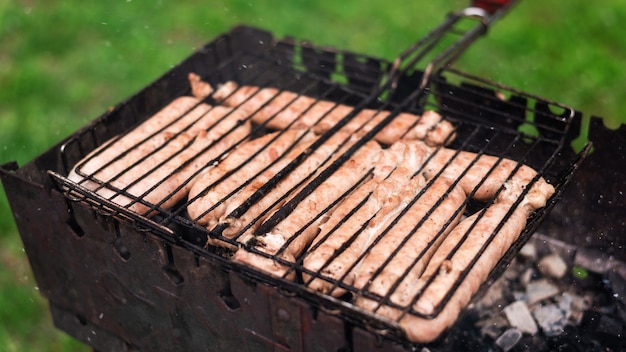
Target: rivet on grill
{"points": [[283, 314], [121, 249]]}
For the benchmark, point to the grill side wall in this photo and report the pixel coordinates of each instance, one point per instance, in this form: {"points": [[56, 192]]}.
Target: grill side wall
{"points": [[117, 288]]}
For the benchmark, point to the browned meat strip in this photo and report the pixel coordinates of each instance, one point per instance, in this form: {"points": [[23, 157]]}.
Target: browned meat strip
{"points": [[381, 194], [211, 190], [104, 163], [156, 160], [392, 260], [280, 109], [199, 88], [448, 268], [259, 210], [290, 236], [481, 177]]}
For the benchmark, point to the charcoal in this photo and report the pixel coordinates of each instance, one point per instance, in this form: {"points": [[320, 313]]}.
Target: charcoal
{"points": [[570, 340], [608, 326], [606, 330], [520, 296], [519, 317], [552, 266], [565, 303], [528, 276], [536, 343], [494, 296], [509, 339], [540, 290], [570, 313], [573, 307], [547, 245], [591, 259], [528, 251], [551, 319]]}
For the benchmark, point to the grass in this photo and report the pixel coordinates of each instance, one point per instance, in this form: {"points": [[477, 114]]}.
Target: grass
{"points": [[62, 63]]}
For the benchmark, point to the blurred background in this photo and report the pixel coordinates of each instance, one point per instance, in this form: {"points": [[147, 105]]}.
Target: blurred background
{"points": [[63, 63]]}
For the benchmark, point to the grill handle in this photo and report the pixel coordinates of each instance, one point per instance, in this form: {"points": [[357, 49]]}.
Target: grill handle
{"points": [[482, 12], [490, 6]]}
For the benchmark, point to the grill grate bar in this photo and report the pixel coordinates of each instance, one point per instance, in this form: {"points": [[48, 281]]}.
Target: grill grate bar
{"points": [[237, 168], [473, 98], [270, 184], [77, 193]]}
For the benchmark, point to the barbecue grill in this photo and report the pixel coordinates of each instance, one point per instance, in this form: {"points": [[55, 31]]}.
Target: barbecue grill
{"points": [[120, 280]]}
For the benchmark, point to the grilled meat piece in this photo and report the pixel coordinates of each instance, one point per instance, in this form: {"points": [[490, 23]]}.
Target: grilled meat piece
{"points": [[199, 88], [294, 233], [402, 249], [496, 180], [242, 223], [217, 185], [156, 160], [353, 224], [500, 222], [279, 109]]}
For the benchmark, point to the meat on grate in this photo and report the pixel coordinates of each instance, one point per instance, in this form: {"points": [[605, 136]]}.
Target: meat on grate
{"points": [[152, 164], [383, 224], [281, 109]]}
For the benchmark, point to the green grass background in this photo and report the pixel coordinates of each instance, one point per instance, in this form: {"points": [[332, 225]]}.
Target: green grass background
{"points": [[62, 63]]}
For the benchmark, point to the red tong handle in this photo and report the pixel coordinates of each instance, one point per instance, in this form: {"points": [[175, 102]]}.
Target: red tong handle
{"points": [[491, 6]]}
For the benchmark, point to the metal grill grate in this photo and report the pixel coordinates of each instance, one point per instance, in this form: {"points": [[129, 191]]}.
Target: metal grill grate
{"points": [[488, 119]]}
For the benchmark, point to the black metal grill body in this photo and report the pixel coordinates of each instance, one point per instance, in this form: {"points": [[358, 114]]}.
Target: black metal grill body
{"points": [[119, 281]]}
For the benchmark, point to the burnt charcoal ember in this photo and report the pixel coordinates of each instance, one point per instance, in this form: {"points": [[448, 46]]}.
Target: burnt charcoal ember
{"points": [[540, 290], [492, 327], [519, 317], [509, 339], [572, 307], [527, 276], [552, 266], [528, 252], [565, 303], [571, 340], [495, 295], [591, 259], [609, 327], [551, 319], [534, 343]]}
